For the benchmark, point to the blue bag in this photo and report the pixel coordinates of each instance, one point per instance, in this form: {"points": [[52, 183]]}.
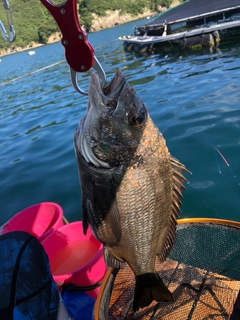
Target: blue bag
{"points": [[27, 288]]}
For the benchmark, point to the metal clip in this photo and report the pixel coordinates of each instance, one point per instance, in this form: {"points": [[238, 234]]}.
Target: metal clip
{"points": [[78, 51], [97, 66], [8, 12]]}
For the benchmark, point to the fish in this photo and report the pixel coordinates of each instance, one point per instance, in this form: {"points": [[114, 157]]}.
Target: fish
{"points": [[130, 184]]}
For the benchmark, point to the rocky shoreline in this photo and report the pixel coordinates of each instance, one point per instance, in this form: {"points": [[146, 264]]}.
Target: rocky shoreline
{"points": [[112, 19]]}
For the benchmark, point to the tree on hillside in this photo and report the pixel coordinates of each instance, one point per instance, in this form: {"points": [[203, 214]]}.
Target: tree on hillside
{"points": [[33, 22], [133, 7], [86, 18]]}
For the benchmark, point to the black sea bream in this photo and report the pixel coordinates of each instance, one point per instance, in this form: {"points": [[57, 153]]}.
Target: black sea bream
{"points": [[131, 185]]}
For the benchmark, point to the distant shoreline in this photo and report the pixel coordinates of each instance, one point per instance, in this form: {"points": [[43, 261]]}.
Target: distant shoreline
{"points": [[112, 19], [100, 23]]}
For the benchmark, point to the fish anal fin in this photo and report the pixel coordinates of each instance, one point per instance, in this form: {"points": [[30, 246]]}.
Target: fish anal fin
{"points": [[112, 260], [149, 287]]}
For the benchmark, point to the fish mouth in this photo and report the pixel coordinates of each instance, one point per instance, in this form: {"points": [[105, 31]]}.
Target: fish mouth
{"points": [[101, 101], [115, 85], [108, 95]]}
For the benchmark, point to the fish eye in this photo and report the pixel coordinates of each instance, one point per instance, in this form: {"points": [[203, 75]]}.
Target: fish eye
{"points": [[135, 120]]}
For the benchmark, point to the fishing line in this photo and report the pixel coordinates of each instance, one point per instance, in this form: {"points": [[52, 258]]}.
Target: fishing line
{"points": [[217, 152], [105, 44], [227, 164], [47, 67], [227, 182], [28, 74], [224, 159]]}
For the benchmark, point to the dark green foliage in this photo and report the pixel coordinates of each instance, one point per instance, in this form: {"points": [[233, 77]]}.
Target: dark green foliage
{"points": [[86, 18], [45, 30], [33, 23], [133, 7], [155, 4], [166, 3]]}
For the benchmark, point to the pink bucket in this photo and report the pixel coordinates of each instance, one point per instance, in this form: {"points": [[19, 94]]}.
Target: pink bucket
{"points": [[39, 220], [75, 258]]}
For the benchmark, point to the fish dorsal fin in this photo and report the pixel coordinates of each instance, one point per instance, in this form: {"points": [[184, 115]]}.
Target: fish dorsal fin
{"points": [[177, 170]]}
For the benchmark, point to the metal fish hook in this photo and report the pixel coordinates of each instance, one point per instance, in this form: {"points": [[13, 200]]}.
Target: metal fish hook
{"points": [[8, 12]]}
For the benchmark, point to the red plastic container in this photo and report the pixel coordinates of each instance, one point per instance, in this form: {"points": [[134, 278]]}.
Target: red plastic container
{"points": [[75, 258], [39, 220]]}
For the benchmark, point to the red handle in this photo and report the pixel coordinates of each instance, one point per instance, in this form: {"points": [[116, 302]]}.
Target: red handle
{"points": [[78, 51]]}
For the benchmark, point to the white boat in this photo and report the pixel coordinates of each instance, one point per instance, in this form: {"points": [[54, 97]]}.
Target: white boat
{"points": [[192, 24]]}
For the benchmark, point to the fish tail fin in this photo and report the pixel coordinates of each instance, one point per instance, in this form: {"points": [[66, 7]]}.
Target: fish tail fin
{"points": [[149, 287]]}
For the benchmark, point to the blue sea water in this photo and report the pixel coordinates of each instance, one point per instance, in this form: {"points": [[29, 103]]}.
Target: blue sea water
{"points": [[193, 97]]}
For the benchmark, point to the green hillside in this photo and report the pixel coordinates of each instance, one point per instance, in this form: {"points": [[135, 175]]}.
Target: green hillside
{"points": [[33, 23]]}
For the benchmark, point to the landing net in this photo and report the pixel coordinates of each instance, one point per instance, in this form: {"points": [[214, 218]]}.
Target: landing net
{"points": [[202, 271]]}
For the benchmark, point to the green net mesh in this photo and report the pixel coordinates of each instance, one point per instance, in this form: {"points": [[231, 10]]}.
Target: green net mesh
{"points": [[213, 247]]}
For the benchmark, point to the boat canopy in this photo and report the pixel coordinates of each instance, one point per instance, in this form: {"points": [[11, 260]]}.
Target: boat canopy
{"points": [[194, 9]]}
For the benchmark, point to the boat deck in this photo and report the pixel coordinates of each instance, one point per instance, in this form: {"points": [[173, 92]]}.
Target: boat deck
{"points": [[190, 24], [147, 40], [198, 294]]}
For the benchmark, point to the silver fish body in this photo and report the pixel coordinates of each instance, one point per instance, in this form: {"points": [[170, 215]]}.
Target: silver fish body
{"points": [[131, 186]]}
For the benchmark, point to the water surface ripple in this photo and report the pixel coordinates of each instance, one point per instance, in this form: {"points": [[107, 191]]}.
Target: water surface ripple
{"points": [[193, 97]]}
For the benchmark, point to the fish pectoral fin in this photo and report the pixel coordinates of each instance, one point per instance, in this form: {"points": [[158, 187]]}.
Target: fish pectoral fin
{"points": [[149, 287], [115, 221], [104, 195], [112, 260]]}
